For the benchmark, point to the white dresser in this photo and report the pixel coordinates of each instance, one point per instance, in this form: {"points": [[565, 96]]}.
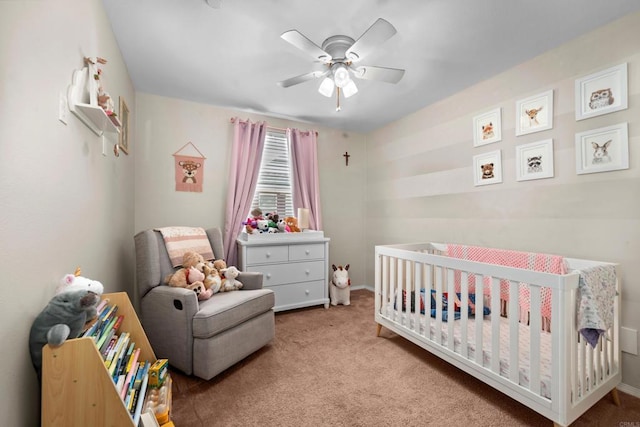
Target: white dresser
{"points": [[295, 266]]}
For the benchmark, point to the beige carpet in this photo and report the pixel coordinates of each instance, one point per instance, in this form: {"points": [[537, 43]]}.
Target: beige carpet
{"points": [[328, 368]]}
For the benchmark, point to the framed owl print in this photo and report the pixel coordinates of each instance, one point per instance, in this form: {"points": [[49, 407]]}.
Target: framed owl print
{"points": [[602, 93]]}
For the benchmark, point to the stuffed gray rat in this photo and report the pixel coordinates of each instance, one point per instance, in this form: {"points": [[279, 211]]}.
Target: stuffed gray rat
{"points": [[64, 317]]}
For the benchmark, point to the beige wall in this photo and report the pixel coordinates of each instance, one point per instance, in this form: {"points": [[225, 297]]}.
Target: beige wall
{"points": [[419, 172], [164, 125], [62, 203]]}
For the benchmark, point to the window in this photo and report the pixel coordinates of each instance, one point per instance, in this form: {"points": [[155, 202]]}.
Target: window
{"points": [[273, 192]]}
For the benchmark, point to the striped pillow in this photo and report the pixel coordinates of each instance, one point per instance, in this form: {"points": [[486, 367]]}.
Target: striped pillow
{"points": [[179, 240]]}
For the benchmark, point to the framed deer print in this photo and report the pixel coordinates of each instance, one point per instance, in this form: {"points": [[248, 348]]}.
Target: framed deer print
{"points": [[535, 113], [602, 92], [602, 150]]}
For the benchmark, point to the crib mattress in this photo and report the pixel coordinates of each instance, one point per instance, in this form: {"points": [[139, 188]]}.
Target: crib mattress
{"points": [[504, 350]]}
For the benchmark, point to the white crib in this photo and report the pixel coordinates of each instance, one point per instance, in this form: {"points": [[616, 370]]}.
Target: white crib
{"points": [[555, 373]]}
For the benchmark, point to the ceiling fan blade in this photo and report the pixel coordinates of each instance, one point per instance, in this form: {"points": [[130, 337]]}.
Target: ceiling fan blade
{"points": [[378, 33], [302, 78], [383, 74], [303, 43]]}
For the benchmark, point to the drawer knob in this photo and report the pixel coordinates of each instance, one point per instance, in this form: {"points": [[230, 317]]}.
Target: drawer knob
{"points": [[268, 275], [307, 272], [268, 254], [306, 292], [307, 252]]}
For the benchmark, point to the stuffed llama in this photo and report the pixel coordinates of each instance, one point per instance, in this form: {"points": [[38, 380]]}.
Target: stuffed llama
{"points": [[339, 290]]}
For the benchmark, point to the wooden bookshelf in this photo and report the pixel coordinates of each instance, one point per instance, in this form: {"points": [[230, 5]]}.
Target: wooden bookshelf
{"points": [[76, 387]]}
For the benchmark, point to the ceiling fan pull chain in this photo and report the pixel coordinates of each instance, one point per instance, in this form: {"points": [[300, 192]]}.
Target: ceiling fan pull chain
{"points": [[338, 108]]}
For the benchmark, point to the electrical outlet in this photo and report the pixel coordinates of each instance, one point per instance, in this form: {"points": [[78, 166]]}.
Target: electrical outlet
{"points": [[63, 109]]}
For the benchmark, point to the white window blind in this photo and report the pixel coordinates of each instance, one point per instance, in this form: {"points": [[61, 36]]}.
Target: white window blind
{"points": [[273, 192]]}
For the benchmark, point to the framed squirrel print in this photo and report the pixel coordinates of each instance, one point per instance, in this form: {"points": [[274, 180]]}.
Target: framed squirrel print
{"points": [[603, 149], [602, 92]]}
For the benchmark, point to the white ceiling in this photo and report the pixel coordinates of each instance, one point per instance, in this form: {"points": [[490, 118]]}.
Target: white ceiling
{"points": [[233, 56]]}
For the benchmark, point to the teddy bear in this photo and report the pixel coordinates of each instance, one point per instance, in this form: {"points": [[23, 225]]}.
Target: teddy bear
{"points": [[212, 280], [292, 223], [180, 278], [65, 316]]}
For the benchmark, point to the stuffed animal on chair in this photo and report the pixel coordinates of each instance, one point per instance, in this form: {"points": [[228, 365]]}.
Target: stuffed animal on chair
{"points": [[229, 281], [180, 278]]}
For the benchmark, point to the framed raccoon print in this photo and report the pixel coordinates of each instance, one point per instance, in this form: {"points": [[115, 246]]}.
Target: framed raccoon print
{"points": [[601, 93], [487, 128], [487, 168], [534, 160], [603, 149], [535, 113]]}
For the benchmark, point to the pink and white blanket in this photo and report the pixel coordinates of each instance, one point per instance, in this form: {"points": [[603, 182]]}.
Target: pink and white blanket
{"points": [[526, 260], [179, 240]]}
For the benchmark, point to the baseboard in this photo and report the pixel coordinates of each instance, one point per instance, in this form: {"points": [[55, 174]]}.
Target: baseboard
{"points": [[358, 287], [633, 391]]}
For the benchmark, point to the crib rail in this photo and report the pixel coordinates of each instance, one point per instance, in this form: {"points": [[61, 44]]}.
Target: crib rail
{"points": [[556, 373]]}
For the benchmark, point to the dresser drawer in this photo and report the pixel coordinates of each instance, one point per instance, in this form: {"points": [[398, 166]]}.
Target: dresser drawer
{"points": [[299, 294], [278, 274], [264, 254], [306, 251]]}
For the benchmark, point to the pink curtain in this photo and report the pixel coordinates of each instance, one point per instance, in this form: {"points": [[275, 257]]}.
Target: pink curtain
{"points": [[246, 154], [306, 186]]}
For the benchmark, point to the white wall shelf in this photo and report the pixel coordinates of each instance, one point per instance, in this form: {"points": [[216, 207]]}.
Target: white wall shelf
{"points": [[82, 98]]}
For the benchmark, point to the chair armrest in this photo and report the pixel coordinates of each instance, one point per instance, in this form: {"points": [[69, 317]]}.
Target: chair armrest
{"points": [[167, 318], [250, 280]]}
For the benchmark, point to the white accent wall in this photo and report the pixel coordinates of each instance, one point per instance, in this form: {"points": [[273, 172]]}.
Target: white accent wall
{"points": [[420, 180]]}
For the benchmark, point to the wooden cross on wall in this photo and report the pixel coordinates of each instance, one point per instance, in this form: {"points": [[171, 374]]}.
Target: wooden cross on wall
{"points": [[346, 156]]}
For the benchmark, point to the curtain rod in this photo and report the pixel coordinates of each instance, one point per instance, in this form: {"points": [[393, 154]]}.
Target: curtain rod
{"points": [[233, 120]]}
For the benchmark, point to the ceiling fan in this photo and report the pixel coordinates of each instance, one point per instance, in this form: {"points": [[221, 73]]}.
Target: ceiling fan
{"points": [[340, 56]]}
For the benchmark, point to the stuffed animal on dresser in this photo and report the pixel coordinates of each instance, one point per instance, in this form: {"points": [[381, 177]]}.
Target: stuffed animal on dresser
{"points": [[339, 290]]}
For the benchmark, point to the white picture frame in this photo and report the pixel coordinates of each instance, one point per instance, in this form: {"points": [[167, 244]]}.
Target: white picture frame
{"points": [[534, 160], [602, 150], [535, 113], [487, 168], [601, 93], [487, 127]]}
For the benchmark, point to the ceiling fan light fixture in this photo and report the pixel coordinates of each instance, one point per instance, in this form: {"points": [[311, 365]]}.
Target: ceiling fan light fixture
{"points": [[340, 75], [326, 87], [350, 89]]}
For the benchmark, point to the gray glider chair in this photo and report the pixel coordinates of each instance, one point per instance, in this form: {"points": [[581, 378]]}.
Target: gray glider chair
{"points": [[201, 338]]}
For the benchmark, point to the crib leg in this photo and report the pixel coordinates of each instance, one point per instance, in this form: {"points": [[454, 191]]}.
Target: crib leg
{"points": [[615, 396], [378, 329]]}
